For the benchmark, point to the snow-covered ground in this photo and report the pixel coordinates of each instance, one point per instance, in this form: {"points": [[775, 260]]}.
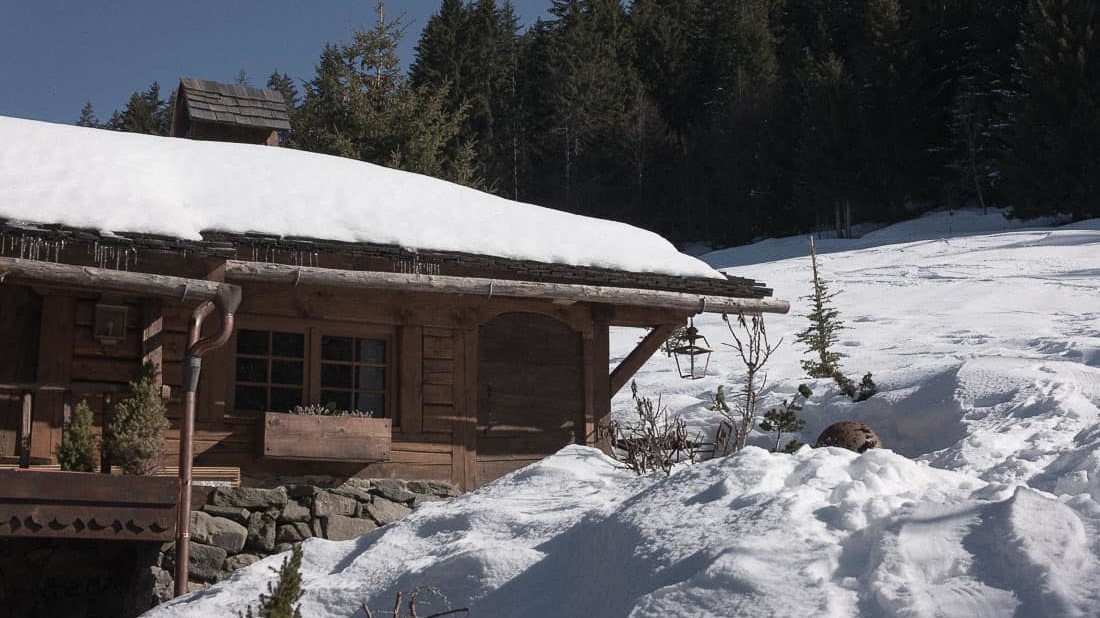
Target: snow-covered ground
{"points": [[984, 339]]}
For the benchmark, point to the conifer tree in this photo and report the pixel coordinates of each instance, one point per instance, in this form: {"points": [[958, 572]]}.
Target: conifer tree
{"points": [[1055, 165], [77, 449], [281, 599], [784, 419], [145, 112], [361, 106], [88, 117], [134, 437], [820, 337]]}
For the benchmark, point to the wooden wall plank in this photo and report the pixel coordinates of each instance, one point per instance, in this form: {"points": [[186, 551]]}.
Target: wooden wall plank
{"points": [[410, 396], [55, 364], [439, 347]]}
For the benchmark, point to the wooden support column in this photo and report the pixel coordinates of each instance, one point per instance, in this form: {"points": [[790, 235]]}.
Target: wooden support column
{"points": [[55, 361], [464, 436], [152, 325], [638, 357], [25, 430], [597, 352]]}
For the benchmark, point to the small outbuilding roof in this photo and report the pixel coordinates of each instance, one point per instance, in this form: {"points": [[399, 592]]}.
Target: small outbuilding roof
{"points": [[232, 104]]}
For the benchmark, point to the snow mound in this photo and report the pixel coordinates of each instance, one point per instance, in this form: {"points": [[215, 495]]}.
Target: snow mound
{"points": [[824, 532], [123, 182]]}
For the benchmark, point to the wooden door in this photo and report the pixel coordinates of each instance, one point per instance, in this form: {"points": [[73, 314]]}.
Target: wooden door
{"points": [[530, 386]]}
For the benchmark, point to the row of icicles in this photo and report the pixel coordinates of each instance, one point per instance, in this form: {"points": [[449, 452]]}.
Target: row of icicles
{"points": [[117, 257]]}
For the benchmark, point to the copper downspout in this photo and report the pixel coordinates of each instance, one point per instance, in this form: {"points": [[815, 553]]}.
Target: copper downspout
{"points": [[227, 300]]}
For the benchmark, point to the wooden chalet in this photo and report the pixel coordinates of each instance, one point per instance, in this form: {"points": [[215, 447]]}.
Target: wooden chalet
{"points": [[474, 364]]}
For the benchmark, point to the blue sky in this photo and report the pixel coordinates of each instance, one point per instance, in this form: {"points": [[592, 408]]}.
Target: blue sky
{"points": [[55, 55]]}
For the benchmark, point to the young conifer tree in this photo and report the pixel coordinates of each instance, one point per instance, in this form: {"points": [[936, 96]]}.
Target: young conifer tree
{"points": [[77, 450], [820, 337], [135, 436], [281, 598]]}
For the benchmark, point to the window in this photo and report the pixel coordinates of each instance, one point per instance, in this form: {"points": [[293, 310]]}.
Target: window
{"points": [[347, 367], [353, 373], [270, 370]]}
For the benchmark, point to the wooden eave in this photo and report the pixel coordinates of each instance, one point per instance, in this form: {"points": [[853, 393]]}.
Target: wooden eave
{"points": [[242, 271], [308, 252]]}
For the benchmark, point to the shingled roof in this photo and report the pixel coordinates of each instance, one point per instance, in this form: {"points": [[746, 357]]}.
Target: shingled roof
{"points": [[235, 105]]}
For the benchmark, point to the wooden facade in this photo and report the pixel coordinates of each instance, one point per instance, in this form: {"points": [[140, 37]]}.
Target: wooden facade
{"points": [[472, 386]]}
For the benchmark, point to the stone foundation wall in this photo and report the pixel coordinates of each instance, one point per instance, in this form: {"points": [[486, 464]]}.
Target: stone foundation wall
{"points": [[239, 526], [70, 578]]}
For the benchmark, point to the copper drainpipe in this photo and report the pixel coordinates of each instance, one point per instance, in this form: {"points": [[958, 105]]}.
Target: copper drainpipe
{"points": [[227, 300]]}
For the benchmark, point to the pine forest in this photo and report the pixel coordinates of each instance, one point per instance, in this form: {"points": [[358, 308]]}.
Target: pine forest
{"points": [[677, 115]]}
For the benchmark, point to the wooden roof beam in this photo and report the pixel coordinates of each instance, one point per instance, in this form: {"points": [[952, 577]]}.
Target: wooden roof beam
{"points": [[238, 270], [630, 365], [15, 270]]}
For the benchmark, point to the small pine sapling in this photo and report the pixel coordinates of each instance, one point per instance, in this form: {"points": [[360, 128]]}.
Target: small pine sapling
{"points": [[785, 419], [820, 337], [281, 598], [867, 388], [134, 438], [77, 450], [754, 349]]}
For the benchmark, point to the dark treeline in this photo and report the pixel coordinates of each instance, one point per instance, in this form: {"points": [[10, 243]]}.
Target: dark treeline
{"points": [[723, 120]]}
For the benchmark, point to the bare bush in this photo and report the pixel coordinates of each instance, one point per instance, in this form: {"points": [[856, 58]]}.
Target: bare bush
{"points": [[653, 441], [405, 605], [751, 342]]}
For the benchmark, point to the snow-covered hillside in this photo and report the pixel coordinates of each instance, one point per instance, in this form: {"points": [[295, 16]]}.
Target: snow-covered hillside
{"points": [[984, 339]]}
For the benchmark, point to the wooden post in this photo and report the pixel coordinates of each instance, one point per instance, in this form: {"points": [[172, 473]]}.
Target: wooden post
{"points": [[601, 385], [25, 431], [464, 436]]}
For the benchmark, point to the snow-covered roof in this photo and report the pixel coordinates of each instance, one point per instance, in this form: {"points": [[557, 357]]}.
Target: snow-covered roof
{"points": [[128, 183]]}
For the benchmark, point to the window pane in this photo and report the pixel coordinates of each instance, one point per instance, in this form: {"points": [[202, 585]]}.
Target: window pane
{"points": [[252, 342], [286, 372], [372, 351], [371, 402], [292, 345], [251, 398], [252, 370], [335, 376], [284, 399], [336, 348], [372, 378], [340, 399]]}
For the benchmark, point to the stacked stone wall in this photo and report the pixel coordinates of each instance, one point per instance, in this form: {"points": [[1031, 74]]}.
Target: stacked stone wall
{"points": [[235, 527]]}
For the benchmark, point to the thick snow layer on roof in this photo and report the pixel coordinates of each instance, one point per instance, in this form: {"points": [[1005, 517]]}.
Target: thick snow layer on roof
{"points": [[120, 182]]}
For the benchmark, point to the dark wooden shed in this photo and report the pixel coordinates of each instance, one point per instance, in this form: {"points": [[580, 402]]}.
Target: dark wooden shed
{"points": [[214, 111]]}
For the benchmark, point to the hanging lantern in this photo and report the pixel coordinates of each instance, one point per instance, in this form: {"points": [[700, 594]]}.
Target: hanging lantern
{"points": [[692, 359]]}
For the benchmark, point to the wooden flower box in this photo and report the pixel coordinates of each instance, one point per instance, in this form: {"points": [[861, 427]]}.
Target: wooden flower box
{"points": [[325, 438], [90, 505]]}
